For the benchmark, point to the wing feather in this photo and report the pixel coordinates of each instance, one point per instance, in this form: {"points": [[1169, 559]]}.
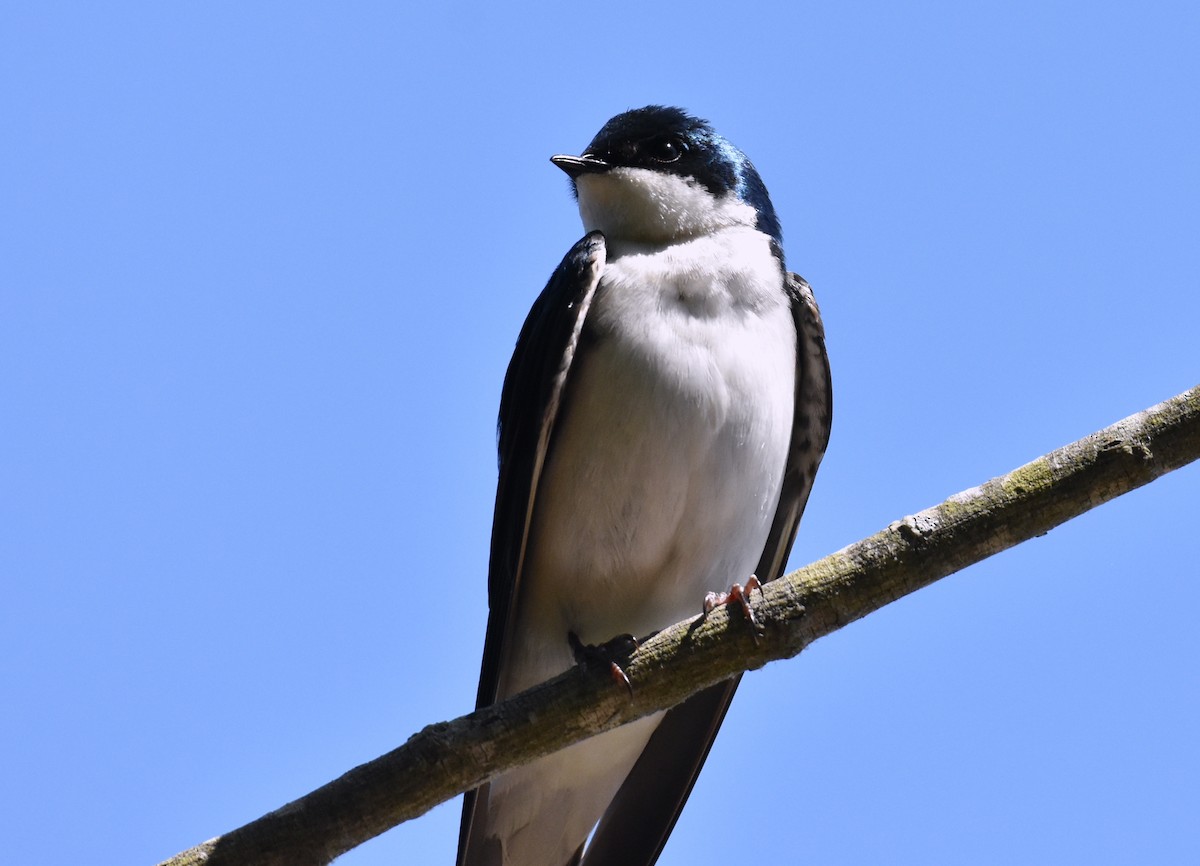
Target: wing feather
{"points": [[635, 827], [529, 403]]}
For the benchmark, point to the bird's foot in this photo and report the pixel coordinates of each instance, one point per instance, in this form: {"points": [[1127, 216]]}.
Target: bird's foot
{"points": [[740, 594], [606, 655]]}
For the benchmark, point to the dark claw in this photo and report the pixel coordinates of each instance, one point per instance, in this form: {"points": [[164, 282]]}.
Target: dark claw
{"points": [[740, 594], [605, 655], [620, 677]]}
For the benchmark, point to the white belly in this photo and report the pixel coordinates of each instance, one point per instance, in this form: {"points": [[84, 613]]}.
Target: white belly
{"points": [[668, 457], [662, 482]]}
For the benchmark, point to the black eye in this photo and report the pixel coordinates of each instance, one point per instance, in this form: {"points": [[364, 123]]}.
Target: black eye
{"points": [[666, 149]]}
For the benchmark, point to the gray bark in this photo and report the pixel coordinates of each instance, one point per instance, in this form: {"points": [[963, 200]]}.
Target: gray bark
{"points": [[447, 758]]}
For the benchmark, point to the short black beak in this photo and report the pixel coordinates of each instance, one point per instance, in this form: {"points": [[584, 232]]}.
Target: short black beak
{"points": [[574, 166]]}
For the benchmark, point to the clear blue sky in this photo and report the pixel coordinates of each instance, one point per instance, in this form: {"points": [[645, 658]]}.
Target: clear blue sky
{"points": [[262, 267]]}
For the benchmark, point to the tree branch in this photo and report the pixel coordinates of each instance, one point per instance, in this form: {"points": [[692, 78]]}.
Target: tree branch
{"points": [[448, 758]]}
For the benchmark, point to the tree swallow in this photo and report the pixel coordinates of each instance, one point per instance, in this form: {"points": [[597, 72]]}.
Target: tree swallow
{"points": [[661, 422]]}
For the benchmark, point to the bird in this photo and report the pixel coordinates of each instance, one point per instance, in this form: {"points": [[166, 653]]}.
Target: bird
{"points": [[662, 419]]}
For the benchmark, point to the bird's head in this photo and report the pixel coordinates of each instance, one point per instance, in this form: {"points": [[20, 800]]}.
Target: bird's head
{"points": [[657, 174]]}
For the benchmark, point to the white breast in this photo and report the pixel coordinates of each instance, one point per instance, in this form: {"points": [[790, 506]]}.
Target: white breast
{"points": [[668, 457], [663, 478]]}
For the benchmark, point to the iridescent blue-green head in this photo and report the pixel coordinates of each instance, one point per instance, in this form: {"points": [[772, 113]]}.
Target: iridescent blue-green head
{"points": [[658, 174]]}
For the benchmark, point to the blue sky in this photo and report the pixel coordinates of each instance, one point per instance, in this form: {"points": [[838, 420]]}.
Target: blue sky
{"points": [[262, 267]]}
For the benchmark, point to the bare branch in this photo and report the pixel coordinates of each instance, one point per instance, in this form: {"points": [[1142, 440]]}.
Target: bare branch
{"points": [[448, 758]]}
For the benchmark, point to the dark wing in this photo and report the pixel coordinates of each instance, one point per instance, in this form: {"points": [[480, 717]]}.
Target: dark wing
{"points": [[529, 404], [635, 828]]}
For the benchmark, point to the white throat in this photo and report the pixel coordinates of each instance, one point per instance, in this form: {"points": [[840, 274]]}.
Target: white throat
{"points": [[652, 207]]}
